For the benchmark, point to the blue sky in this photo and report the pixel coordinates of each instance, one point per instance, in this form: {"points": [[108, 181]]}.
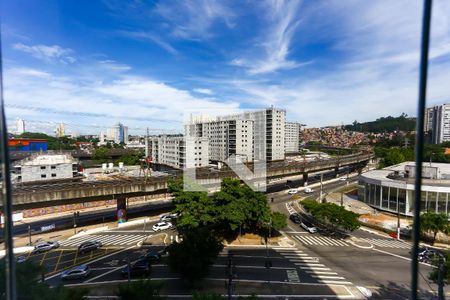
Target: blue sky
{"points": [[149, 63]]}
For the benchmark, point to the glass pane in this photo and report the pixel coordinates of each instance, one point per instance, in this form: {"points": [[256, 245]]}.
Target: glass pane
{"points": [[401, 200], [431, 203], [385, 197], [442, 202], [393, 198]]}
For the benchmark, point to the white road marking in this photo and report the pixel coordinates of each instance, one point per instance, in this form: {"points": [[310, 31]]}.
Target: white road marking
{"points": [[335, 282], [321, 272], [327, 277]]}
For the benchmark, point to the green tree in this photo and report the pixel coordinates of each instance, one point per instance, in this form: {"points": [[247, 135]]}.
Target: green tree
{"points": [[131, 159], [393, 157], [193, 256], [241, 207], [101, 155], [434, 273], [139, 290], [194, 208], [332, 214], [205, 221], [433, 222], [53, 143], [279, 220]]}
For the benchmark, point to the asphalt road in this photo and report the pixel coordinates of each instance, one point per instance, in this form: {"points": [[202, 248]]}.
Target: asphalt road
{"points": [[378, 263], [89, 217], [302, 273]]}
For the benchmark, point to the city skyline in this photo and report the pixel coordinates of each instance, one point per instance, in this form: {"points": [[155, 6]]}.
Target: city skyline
{"points": [[151, 60]]}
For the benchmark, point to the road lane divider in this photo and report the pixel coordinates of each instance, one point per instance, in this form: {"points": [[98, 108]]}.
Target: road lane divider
{"points": [[43, 257], [57, 262]]}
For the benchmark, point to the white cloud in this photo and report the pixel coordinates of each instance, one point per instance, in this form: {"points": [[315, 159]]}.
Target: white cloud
{"points": [[47, 53], [136, 101], [376, 73], [30, 72], [282, 20], [204, 91], [114, 66], [141, 35], [193, 19]]}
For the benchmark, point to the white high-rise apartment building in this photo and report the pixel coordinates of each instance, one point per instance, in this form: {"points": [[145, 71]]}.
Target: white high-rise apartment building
{"points": [[20, 126], [118, 134], [177, 151], [225, 138], [437, 120], [291, 137], [268, 132]]}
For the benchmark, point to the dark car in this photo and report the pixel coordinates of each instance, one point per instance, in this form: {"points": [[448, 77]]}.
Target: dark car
{"points": [[295, 218], [151, 257], [140, 268], [89, 246], [20, 259], [78, 272]]}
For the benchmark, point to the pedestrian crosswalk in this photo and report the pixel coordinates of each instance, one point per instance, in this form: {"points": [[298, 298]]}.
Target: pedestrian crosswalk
{"points": [[290, 209], [384, 243], [316, 240], [106, 239], [309, 268], [320, 241]]}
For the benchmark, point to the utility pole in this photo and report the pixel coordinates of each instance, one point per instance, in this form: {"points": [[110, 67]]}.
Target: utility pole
{"points": [[441, 272], [342, 198], [321, 187], [29, 235]]}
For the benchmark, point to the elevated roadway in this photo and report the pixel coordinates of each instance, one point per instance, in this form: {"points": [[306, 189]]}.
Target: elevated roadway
{"points": [[44, 195]]}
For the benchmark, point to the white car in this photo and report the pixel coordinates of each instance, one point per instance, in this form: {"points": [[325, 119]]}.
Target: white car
{"points": [[162, 226], [293, 191], [308, 227], [308, 190]]}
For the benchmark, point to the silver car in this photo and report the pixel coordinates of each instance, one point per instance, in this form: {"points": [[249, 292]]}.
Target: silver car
{"points": [[45, 246], [78, 272]]}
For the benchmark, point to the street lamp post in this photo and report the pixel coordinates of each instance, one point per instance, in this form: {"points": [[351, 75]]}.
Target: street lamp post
{"points": [[29, 235]]}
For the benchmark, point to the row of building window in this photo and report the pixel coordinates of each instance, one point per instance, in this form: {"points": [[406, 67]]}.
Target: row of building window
{"points": [[45, 167], [402, 200], [45, 175]]}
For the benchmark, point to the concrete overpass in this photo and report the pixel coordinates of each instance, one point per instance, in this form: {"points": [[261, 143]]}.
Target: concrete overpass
{"points": [[44, 195]]}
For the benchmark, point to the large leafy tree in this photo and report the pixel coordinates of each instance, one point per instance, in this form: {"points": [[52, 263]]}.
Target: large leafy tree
{"points": [[193, 256], [205, 221], [241, 207], [434, 223]]}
